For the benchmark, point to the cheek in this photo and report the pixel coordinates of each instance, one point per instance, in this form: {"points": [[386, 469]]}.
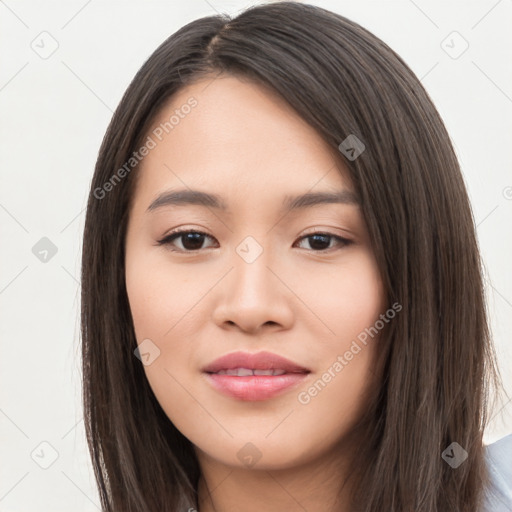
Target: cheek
{"points": [[160, 303], [150, 304], [350, 307], [158, 298], [349, 302], [348, 299]]}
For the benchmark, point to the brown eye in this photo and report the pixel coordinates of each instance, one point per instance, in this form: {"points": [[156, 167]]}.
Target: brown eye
{"points": [[190, 240], [320, 242]]}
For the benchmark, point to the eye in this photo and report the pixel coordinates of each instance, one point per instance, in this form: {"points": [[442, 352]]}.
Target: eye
{"points": [[319, 240], [192, 240]]}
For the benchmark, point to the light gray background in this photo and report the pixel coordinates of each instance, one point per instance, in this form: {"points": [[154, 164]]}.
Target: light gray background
{"points": [[54, 112]]}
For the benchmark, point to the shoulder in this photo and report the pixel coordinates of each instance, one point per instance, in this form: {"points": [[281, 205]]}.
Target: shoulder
{"points": [[498, 455]]}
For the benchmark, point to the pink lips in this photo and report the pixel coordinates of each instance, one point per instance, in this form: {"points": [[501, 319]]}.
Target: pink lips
{"points": [[254, 387]]}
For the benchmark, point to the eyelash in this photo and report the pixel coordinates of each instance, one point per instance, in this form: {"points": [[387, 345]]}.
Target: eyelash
{"points": [[168, 239]]}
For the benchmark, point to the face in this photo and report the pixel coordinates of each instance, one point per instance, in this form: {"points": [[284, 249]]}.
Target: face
{"points": [[251, 272]]}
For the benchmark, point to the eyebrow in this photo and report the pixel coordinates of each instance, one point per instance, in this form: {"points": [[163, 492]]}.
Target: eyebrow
{"points": [[197, 197]]}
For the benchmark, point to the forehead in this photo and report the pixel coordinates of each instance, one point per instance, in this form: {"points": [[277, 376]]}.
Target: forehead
{"points": [[235, 136]]}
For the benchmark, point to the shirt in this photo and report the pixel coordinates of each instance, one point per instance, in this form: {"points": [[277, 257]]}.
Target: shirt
{"points": [[498, 456]]}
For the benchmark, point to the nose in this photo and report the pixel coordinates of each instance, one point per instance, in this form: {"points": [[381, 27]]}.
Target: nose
{"points": [[254, 296]]}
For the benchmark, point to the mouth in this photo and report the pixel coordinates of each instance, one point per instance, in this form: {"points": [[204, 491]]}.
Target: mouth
{"points": [[243, 362], [246, 372], [254, 377]]}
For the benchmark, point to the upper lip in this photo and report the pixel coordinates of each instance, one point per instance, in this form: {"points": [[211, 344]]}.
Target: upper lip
{"points": [[258, 361]]}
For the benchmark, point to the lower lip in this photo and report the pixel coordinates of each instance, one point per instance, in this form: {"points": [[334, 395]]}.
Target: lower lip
{"points": [[255, 387]]}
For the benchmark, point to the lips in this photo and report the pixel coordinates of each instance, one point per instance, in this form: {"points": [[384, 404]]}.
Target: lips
{"points": [[245, 362], [253, 377], [245, 372]]}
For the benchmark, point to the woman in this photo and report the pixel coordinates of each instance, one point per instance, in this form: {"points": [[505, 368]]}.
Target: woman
{"points": [[282, 299]]}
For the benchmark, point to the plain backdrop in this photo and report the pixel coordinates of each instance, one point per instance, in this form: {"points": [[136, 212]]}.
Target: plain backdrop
{"points": [[64, 67]]}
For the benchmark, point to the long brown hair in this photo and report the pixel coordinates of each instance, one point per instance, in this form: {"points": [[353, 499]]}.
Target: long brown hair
{"points": [[437, 359]]}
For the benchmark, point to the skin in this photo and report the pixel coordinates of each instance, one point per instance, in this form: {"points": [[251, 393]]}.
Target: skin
{"points": [[303, 301]]}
